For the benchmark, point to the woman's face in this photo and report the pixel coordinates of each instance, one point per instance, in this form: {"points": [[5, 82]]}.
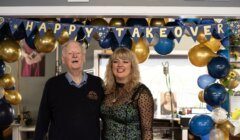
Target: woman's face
{"points": [[168, 97], [121, 69]]}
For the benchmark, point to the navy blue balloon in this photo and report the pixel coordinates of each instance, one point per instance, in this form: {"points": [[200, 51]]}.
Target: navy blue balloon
{"points": [[201, 125], [205, 137], [226, 42], [218, 67], [205, 80], [136, 22], [224, 53], [215, 94], [106, 43], [209, 108], [207, 21], [6, 113], [164, 46], [226, 103], [66, 20], [191, 20], [2, 68]]}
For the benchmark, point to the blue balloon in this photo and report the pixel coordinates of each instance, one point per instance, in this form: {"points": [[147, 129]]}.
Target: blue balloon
{"points": [[207, 21], [205, 80], [164, 46], [226, 103], [136, 22], [205, 137], [215, 94], [226, 42], [218, 67], [6, 113], [201, 125], [224, 53], [209, 108], [2, 68]]}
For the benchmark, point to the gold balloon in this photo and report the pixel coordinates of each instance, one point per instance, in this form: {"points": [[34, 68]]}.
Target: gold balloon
{"points": [[201, 38], [201, 96], [141, 50], [12, 96], [47, 43], [117, 22], [64, 37], [200, 55], [99, 22], [10, 50], [226, 127], [157, 22], [231, 80], [7, 81], [214, 44]]}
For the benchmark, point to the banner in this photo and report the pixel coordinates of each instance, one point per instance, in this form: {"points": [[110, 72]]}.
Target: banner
{"points": [[136, 32]]}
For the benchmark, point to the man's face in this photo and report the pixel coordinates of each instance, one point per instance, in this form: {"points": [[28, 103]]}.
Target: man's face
{"points": [[73, 58]]}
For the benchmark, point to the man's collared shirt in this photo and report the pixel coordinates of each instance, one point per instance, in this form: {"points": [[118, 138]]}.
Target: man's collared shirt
{"points": [[71, 82]]}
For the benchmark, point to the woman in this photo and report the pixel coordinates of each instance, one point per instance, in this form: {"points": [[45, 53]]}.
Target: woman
{"points": [[166, 104], [127, 110]]}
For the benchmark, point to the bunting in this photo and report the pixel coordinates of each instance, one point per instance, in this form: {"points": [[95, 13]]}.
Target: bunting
{"points": [[119, 32]]}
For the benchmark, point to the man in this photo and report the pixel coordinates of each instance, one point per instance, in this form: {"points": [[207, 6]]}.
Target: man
{"points": [[70, 104]]}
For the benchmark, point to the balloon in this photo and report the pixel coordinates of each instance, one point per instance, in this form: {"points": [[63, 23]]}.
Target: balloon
{"points": [[205, 80], [205, 137], [218, 67], [224, 53], [225, 42], [10, 50], [141, 50], [157, 22], [136, 22], [7, 81], [201, 96], [47, 43], [191, 20], [219, 115], [12, 96], [2, 68], [66, 20], [99, 22], [201, 38], [6, 113], [64, 37], [117, 22], [216, 134], [209, 108], [225, 104], [215, 94], [231, 81], [206, 21], [201, 125], [200, 55], [164, 46], [226, 127], [214, 44]]}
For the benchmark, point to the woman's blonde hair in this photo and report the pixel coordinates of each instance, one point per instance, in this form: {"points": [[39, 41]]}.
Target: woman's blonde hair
{"points": [[134, 77]]}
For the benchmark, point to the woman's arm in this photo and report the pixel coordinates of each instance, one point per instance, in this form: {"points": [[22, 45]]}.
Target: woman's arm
{"points": [[146, 109]]}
